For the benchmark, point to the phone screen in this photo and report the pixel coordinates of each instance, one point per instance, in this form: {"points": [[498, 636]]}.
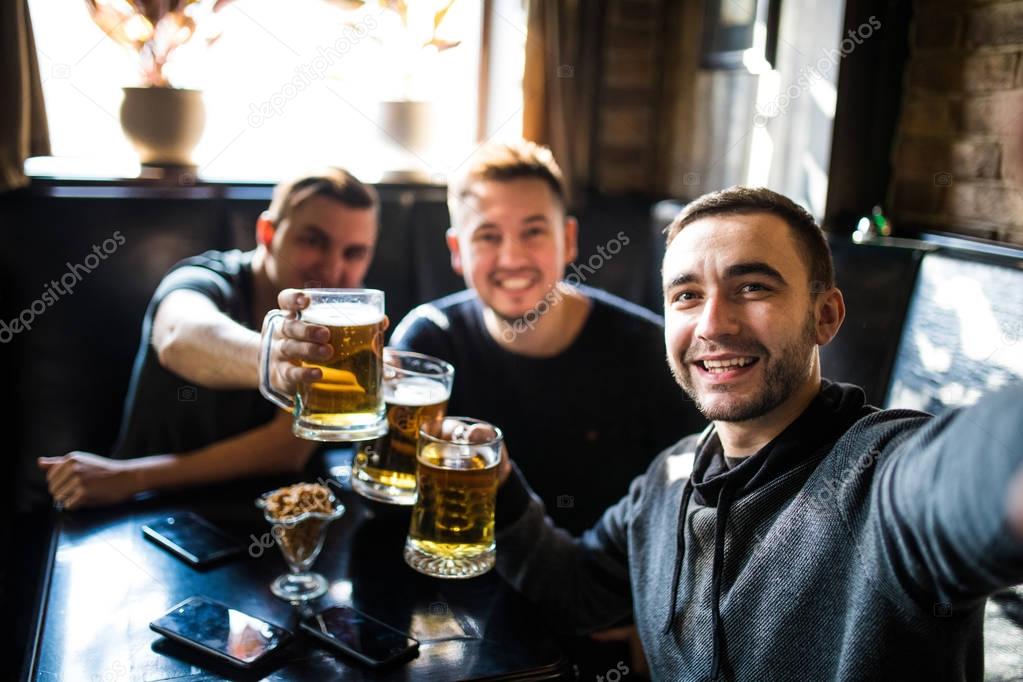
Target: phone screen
{"points": [[222, 630], [192, 537], [360, 634]]}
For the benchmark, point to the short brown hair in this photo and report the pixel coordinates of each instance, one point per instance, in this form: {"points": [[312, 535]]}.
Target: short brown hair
{"points": [[334, 183], [813, 246], [504, 161]]}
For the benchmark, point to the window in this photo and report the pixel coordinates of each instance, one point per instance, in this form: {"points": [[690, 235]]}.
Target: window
{"points": [[790, 148], [288, 85]]}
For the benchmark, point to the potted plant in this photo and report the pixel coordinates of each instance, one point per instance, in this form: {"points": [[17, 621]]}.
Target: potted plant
{"points": [[409, 42], [163, 122]]}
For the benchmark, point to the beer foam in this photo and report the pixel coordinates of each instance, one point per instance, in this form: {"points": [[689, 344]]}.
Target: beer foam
{"points": [[414, 392], [342, 314]]}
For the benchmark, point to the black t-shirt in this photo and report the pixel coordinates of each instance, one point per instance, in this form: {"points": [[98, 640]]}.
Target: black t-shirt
{"points": [[165, 413], [581, 425]]}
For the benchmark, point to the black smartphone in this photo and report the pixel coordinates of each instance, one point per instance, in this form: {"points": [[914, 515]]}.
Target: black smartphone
{"points": [[192, 538], [357, 634], [230, 635]]}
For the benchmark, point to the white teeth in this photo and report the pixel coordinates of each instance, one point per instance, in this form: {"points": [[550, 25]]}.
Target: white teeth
{"points": [[516, 283], [721, 365]]}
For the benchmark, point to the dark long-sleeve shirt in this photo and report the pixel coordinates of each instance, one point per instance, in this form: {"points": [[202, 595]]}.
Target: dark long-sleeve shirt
{"points": [[858, 545], [582, 423]]}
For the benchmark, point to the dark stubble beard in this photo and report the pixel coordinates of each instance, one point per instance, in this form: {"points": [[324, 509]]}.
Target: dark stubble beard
{"points": [[784, 374]]}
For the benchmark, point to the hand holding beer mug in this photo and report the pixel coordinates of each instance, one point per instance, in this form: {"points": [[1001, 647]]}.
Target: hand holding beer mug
{"points": [[451, 534], [346, 403], [416, 391]]}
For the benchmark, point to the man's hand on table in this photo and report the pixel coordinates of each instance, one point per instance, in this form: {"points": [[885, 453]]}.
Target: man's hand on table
{"points": [[83, 479]]}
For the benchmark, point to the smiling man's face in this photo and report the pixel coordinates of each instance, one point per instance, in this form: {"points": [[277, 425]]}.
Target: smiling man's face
{"points": [[741, 325], [511, 242], [323, 243]]}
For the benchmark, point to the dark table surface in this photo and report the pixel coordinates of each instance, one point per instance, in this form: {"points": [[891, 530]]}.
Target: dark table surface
{"points": [[106, 583]]}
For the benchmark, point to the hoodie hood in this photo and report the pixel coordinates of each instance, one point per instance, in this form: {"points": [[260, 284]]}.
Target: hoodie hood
{"points": [[830, 414]]}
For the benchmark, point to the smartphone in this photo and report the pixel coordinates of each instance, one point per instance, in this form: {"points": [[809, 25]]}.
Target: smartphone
{"points": [[192, 539], [359, 635], [230, 635]]}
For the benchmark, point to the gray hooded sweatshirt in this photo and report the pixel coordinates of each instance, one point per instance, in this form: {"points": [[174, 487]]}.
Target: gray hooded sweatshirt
{"points": [[859, 544]]}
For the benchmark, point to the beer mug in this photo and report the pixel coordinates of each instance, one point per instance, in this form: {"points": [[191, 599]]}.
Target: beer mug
{"points": [[416, 391], [347, 403], [451, 534]]}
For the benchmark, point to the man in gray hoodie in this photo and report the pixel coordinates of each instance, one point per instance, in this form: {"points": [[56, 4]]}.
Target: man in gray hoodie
{"points": [[804, 535]]}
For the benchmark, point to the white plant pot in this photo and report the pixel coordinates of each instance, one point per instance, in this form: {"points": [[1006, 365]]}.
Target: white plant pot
{"points": [[163, 124], [408, 127]]}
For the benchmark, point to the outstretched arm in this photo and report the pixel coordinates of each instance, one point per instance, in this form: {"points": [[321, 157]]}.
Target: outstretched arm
{"points": [[197, 341], [581, 584], [944, 500], [82, 479]]}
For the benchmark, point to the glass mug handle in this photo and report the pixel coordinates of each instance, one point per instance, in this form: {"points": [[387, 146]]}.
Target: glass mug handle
{"points": [[265, 387]]}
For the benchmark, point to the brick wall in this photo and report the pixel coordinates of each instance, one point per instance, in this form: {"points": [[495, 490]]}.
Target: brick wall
{"points": [[962, 111], [626, 150]]}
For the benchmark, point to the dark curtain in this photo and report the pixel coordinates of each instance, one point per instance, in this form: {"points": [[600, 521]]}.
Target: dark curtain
{"points": [[560, 84], [23, 128]]}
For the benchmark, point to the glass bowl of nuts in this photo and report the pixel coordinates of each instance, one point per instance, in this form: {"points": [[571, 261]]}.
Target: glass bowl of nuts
{"points": [[299, 516]]}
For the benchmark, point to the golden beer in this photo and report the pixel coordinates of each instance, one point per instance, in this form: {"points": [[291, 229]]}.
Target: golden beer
{"points": [[416, 390], [347, 403], [350, 388], [451, 533], [386, 469]]}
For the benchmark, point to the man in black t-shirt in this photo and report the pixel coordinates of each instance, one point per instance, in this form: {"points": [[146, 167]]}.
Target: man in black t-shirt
{"points": [[193, 413], [575, 377], [586, 419]]}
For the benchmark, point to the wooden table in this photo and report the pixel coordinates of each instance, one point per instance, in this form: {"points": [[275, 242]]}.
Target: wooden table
{"points": [[105, 583]]}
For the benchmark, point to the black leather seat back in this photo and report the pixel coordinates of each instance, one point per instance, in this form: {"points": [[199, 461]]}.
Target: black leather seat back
{"points": [[876, 282]]}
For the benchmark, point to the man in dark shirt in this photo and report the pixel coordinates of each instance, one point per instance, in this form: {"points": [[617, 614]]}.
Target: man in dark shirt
{"points": [[574, 376], [804, 535], [193, 414]]}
